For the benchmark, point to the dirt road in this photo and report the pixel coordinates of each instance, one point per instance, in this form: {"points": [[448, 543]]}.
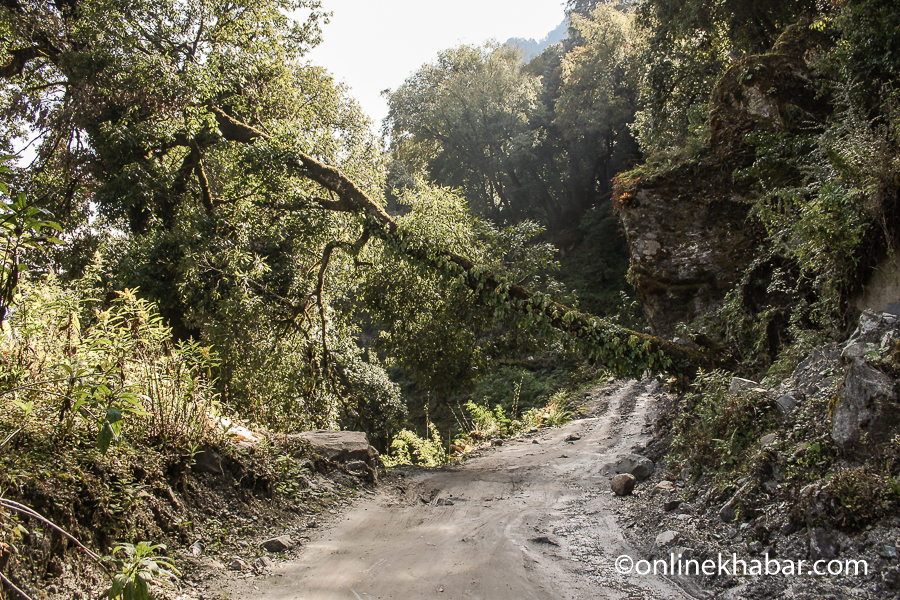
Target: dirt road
{"points": [[533, 518]]}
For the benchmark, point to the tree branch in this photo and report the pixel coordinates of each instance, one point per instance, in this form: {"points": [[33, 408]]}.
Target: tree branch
{"points": [[596, 333]]}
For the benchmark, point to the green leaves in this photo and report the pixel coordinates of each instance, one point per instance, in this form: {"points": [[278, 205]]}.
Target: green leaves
{"points": [[139, 566], [22, 230]]}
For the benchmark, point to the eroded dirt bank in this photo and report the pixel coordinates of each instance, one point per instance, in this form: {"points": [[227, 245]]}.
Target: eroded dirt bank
{"points": [[517, 522]]}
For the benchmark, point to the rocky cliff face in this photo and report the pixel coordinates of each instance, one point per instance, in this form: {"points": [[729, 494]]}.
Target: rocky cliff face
{"points": [[690, 238], [688, 227]]}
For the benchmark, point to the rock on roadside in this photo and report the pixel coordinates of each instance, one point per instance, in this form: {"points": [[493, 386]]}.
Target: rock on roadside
{"points": [[623, 484], [635, 464], [345, 447]]}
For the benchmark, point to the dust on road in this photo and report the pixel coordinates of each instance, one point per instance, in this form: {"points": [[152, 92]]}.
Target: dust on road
{"points": [[523, 520]]}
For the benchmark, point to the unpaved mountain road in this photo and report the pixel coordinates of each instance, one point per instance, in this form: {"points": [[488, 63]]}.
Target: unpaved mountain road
{"points": [[523, 520]]}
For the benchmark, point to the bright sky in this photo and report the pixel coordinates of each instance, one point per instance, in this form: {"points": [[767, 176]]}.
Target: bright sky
{"points": [[371, 45]]}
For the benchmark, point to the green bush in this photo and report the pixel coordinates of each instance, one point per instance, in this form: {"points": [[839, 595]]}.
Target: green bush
{"points": [[716, 429], [88, 371], [407, 448]]}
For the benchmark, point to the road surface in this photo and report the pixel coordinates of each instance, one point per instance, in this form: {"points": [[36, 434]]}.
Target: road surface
{"points": [[531, 519]]}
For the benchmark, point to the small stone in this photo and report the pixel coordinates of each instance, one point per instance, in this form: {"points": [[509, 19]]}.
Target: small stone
{"points": [[496, 442], [639, 466], [681, 553], [312, 525], [892, 578], [263, 563], [207, 461], [666, 538], [662, 487], [535, 442], [197, 548], [739, 384], [281, 543], [238, 564], [768, 439], [755, 547], [788, 528], [786, 403], [726, 513], [573, 437], [733, 533], [821, 544], [243, 544], [623, 484], [671, 505], [544, 539], [357, 467], [532, 430], [887, 552]]}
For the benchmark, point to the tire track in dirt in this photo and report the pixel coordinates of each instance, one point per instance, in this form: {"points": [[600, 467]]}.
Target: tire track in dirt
{"points": [[533, 518]]}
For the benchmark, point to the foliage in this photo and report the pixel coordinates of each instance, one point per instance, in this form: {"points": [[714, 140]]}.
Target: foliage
{"points": [[598, 266], [537, 141], [531, 388], [98, 370], [715, 429], [450, 335], [22, 225], [219, 234], [407, 448], [460, 118], [483, 423], [690, 45], [139, 567]]}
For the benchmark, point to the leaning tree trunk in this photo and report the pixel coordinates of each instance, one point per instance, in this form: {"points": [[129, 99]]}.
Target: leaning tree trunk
{"points": [[625, 351]]}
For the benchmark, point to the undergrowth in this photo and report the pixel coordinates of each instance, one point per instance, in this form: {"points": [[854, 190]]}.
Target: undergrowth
{"points": [[478, 422]]}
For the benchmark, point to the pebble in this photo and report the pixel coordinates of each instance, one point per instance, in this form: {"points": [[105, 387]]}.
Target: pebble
{"points": [[278, 544], [666, 538]]}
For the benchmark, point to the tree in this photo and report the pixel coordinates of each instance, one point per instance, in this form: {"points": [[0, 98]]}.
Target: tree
{"points": [[461, 118], [240, 189], [690, 45], [597, 100]]}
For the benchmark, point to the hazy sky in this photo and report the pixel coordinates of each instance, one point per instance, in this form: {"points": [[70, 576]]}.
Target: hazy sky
{"points": [[375, 44]]}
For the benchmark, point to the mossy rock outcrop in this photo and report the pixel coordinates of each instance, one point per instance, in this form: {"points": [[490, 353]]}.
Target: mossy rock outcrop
{"points": [[770, 92], [691, 238]]}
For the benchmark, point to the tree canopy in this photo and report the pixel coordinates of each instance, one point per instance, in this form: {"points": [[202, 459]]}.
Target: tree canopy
{"points": [[190, 152]]}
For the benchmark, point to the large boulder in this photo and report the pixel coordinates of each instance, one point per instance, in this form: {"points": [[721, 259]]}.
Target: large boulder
{"points": [[819, 373], [867, 403], [691, 238], [775, 91], [867, 406], [347, 447]]}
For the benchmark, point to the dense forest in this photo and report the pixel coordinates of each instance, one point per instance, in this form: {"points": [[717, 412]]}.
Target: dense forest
{"points": [[200, 225]]}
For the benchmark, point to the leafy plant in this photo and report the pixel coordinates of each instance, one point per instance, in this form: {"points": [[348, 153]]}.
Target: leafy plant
{"points": [[407, 448], [139, 567], [716, 429], [21, 227]]}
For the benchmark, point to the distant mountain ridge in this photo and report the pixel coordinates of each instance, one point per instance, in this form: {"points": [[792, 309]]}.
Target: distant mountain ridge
{"points": [[533, 48]]}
